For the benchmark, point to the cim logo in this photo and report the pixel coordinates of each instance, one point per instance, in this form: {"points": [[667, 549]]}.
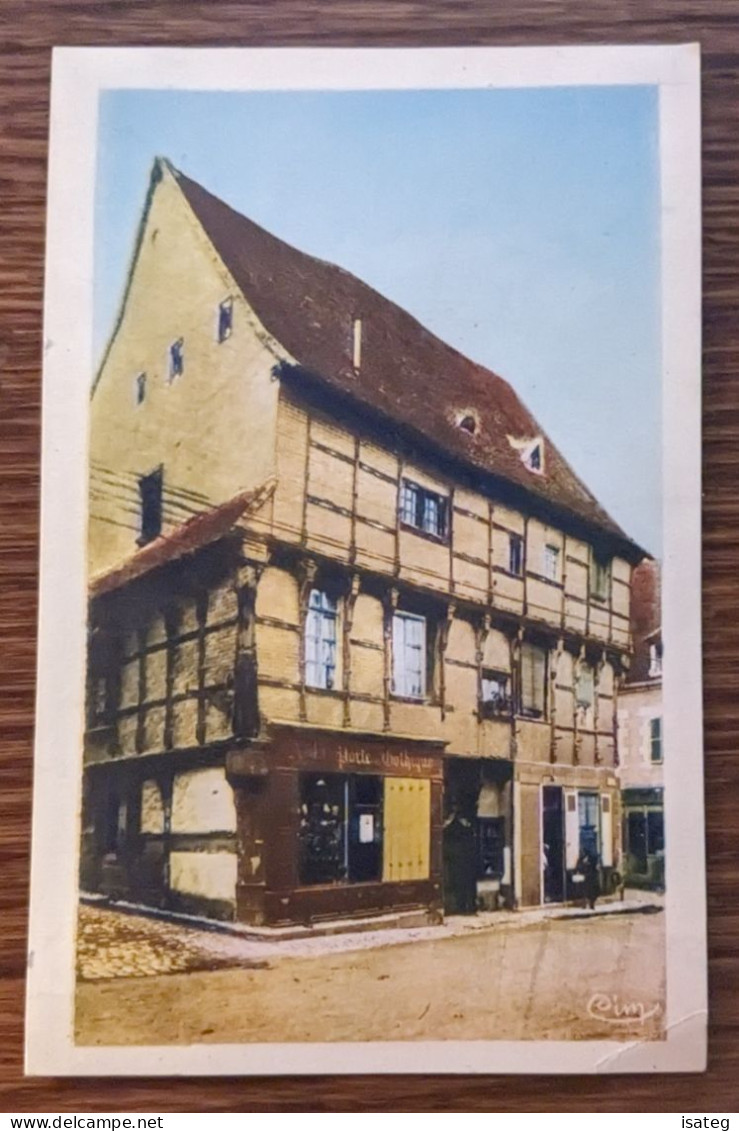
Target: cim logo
{"points": [[610, 1008]]}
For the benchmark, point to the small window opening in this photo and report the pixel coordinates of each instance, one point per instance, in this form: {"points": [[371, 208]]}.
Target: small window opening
{"points": [[515, 554], [225, 319], [533, 458], [140, 388], [177, 359], [150, 498], [468, 423], [496, 693]]}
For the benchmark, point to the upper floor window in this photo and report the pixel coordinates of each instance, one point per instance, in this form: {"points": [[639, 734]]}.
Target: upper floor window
{"points": [[423, 509], [515, 554], [655, 740], [585, 687], [177, 359], [600, 579], [225, 319], [532, 684], [496, 698], [139, 388], [551, 563], [320, 640], [409, 655], [150, 501], [655, 661]]}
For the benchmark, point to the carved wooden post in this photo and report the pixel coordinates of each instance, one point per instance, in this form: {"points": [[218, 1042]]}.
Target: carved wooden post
{"points": [[443, 640], [597, 673], [553, 699], [349, 602], [482, 631], [577, 741], [307, 572], [246, 697], [516, 641], [390, 605]]}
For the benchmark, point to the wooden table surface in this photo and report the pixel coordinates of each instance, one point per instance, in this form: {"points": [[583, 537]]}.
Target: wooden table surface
{"points": [[28, 30]]}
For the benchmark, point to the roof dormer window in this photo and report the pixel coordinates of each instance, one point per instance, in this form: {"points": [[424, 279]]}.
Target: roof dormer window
{"points": [[531, 453], [533, 457], [468, 422]]}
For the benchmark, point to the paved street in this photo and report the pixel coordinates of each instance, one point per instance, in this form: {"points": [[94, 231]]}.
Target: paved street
{"points": [[148, 982]]}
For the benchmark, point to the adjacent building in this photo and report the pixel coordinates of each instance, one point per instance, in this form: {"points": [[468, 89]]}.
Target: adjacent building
{"points": [[357, 630], [640, 737]]}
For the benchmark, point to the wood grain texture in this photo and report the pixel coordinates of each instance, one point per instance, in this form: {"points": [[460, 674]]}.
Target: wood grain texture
{"points": [[27, 32]]}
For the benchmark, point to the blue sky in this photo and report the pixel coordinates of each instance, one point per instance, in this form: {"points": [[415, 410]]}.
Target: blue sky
{"points": [[522, 226]]}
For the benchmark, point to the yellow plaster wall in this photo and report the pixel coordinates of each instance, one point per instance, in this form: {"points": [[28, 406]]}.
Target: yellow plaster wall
{"points": [[208, 874], [152, 809], [226, 393], [203, 802]]}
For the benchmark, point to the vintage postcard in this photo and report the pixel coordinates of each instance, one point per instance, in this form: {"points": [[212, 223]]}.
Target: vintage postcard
{"points": [[369, 704]]}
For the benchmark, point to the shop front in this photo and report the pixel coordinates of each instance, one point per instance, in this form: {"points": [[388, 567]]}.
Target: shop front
{"points": [[478, 831], [644, 838], [332, 826]]}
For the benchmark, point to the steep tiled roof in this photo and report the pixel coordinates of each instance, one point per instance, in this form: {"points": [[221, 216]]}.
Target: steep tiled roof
{"points": [[200, 530], [646, 615], [407, 375]]}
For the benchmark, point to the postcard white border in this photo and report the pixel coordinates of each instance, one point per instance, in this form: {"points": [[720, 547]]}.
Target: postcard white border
{"points": [[79, 74]]}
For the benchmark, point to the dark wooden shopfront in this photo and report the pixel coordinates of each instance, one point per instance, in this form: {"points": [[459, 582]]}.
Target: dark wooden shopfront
{"points": [[335, 826]]}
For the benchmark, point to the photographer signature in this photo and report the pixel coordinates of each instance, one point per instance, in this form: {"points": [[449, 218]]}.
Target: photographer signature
{"points": [[610, 1008]]}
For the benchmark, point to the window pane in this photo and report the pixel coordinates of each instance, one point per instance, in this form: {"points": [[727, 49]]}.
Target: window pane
{"points": [[551, 563], [515, 554], [322, 831], [409, 655], [408, 503], [533, 680], [589, 820], [320, 640], [585, 686], [655, 832]]}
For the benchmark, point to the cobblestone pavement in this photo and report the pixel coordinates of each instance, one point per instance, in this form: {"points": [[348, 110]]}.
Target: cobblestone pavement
{"points": [[111, 944], [583, 978]]}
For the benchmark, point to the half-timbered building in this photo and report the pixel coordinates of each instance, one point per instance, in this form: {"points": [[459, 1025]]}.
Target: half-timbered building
{"points": [[357, 630]]}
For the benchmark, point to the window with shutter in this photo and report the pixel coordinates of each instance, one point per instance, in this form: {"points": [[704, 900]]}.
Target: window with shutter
{"points": [[532, 682]]}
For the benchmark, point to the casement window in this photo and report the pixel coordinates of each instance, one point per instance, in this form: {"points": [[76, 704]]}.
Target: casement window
{"points": [[588, 808], [495, 693], [340, 832], [515, 554], [409, 655], [532, 684], [150, 502], [321, 632], [551, 563], [655, 740], [600, 579], [225, 319], [177, 359], [139, 389], [585, 687], [424, 510]]}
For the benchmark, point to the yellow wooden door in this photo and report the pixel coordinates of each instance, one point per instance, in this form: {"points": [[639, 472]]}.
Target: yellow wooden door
{"points": [[407, 829]]}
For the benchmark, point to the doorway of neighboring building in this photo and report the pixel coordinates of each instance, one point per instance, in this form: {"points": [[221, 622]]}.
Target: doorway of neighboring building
{"points": [[553, 844]]}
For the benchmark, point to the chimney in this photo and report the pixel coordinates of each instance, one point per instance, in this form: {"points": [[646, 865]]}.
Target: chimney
{"points": [[357, 345]]}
